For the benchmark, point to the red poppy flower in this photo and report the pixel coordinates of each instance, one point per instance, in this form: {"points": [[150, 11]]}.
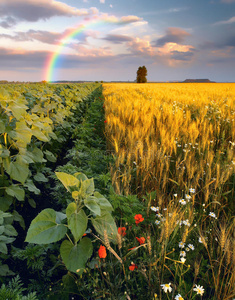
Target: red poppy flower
{"points": [[132, 267], [102, 252], [122, 231], [138, 218], [141, 240], [105, 121]]}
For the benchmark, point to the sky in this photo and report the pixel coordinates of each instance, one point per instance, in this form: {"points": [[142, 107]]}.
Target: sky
{"points": [[175, 40]]}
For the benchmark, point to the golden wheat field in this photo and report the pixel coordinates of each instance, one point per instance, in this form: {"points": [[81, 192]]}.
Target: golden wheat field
{"points": [[176, 141], [171, 137]]}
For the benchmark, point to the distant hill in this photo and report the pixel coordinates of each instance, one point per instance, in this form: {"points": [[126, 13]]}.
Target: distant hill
{"points": [[198, 80]]}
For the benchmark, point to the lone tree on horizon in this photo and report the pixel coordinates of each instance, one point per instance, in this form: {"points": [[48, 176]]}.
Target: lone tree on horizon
{"points": [[141, 75]]}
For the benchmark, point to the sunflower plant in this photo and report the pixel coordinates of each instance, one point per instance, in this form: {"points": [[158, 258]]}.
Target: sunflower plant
{"points": [[89, 206]]}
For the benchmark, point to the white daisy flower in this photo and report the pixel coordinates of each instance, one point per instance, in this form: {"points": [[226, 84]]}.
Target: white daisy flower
{"points": [[182, 253], [158, 215], [191, 246], [199, 289], [153, 208], [183, 260], [211, 214], [188, 197], [182, 201], [200, 240], [191, 190], [186, 222], [157, 222], [166, 287], [179, 297], [181, 245]]}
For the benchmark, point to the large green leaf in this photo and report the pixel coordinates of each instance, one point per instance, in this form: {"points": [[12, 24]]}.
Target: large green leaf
{"points": [[31, 187], [103, 202], [40, 177], [5, 202], [6, 239], [71, 208], [4, 152], [60, 217], [67, 179], [44, 229], [10, 230], [77, 223], [50, 156], [5, 271], [18, 109], [90, 202], [15, 191], [105, 222], [39, 134], [36, 155], [80, 176], [87, 187], [23, 134], [18, 170], [3, 248], [76, 256]]}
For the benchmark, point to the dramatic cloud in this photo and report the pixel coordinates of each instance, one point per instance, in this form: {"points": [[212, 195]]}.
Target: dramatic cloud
{"points": [[13, 11], [141, 47], [47, 37], [183, 56], [168, 54], [173, 35], [117, 38]]}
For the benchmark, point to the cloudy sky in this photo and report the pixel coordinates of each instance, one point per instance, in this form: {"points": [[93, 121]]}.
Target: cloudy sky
{"points": [[175, 40]]}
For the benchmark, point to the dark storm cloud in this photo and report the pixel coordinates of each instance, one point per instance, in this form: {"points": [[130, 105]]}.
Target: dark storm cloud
{"points": [[173, 35], [13, 11], [117, 38]]}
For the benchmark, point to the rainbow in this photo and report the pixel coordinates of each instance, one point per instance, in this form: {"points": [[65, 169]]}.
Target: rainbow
{"points": [[54, 58]]}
